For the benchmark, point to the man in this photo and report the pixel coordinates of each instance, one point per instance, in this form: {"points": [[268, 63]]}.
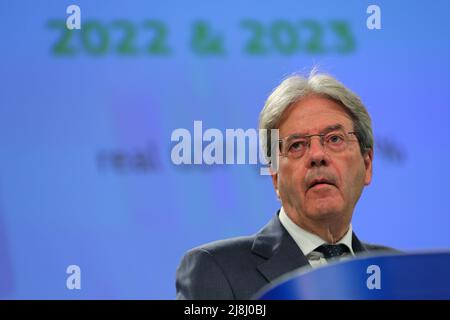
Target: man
{"points": [[325, 160]]}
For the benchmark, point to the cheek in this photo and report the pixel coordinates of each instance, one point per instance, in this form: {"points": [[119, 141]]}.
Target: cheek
{"points": [[354, 177], [348, 171], [290, 178]]}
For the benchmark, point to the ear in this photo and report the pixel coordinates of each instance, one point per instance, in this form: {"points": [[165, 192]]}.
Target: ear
{"points": [[274, 175], [368, 157]]}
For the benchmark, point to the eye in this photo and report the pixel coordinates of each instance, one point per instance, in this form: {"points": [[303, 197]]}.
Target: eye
{"points": [[335, 139], [297, 146]]}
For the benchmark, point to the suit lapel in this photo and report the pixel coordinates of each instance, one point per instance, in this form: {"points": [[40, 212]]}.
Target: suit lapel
{"points": [[358, 246], [275, 244]]}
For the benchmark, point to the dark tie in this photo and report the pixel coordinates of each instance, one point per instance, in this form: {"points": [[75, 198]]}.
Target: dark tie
{"points": [[333, 250]]}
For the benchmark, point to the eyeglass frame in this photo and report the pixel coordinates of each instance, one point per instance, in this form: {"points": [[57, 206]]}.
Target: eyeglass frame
{"points": [[309, 136]]}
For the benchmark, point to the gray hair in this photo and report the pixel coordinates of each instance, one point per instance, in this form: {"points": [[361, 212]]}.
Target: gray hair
{"points": [[297, 87]]}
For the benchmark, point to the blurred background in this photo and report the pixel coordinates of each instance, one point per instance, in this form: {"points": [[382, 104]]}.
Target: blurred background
{"points": [[86, 118]]}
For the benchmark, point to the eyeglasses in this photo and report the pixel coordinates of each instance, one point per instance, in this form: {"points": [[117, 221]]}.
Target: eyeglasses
{"points": [[295, 145]]}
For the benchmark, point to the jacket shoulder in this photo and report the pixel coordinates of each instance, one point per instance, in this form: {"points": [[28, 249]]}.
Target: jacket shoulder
{"points": [[204, 271], [227, 246], [379, 248]]}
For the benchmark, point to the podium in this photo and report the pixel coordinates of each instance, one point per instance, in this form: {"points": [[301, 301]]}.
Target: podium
{"points": [[393, 276]]}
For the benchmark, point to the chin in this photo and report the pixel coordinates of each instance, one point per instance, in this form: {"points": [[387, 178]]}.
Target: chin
{"points": [[325, 211]]}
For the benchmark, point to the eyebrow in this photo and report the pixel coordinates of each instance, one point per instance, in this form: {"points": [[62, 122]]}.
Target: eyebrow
{"points": [[327, 129], [333, 127]]}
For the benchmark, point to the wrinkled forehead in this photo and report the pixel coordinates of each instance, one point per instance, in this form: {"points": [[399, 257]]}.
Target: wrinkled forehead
{"points": [[314, 115]]}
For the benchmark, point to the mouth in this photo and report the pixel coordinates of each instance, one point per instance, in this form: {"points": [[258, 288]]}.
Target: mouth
{"points": [[318, 184]]}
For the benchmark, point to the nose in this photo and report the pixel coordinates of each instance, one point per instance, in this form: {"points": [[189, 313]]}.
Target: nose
{"points": [[317, 156]]}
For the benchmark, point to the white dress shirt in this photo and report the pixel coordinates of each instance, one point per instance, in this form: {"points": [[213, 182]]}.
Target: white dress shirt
{"points": [[308, 242]]}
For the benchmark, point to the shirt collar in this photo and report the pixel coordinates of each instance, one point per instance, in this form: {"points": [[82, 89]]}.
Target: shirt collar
{"points": [[308, 241]]}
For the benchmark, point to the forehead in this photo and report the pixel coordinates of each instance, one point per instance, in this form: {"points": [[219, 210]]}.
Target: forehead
{"points": [[312, 115]]}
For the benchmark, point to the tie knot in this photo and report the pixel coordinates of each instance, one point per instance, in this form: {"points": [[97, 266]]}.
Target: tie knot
{"points": [[333, 250]]}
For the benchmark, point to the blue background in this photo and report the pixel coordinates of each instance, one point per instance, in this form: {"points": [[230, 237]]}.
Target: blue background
{"points": [[85, 171]]}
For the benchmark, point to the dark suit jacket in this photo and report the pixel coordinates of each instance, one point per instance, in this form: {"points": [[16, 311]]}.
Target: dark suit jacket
{"points": [[238, 268]]}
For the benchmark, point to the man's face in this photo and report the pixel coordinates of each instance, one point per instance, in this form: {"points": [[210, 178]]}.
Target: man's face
{"points": [[345, 172]]}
